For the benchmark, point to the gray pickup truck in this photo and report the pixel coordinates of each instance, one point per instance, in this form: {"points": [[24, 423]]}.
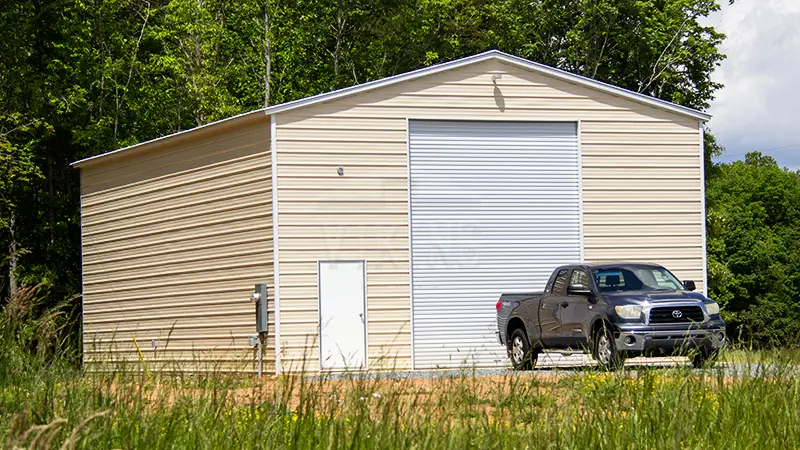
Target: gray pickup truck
{"points": [[611, 311]]}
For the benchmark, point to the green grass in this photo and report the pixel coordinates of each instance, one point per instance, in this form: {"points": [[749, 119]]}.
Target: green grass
{"points": [[779, 356], [657, 408], [46, 403]]}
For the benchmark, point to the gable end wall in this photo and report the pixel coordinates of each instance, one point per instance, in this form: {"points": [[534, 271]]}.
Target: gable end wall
{"points": [[641, 184]]}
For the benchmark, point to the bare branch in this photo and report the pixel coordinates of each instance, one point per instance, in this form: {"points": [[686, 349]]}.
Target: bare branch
{"points": [[655, 75], [120, 100]]}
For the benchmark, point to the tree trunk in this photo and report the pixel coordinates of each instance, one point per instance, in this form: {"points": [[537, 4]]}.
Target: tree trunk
{"points": [[339, 31], [267, 55], [13, 287], [51, 214]]}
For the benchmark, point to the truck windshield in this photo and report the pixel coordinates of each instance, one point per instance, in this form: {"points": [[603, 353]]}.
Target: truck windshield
{"points": [[635, 278]]}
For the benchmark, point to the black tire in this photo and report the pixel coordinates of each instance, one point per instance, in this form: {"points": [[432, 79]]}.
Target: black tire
{"points": [[604, 350], [703, 358], [520, 352]]}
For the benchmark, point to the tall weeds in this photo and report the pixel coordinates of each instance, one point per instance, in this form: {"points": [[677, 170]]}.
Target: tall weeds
{"points": [[33, 338]]}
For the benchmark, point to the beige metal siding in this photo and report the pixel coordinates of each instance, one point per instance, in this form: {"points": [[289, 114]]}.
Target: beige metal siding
{"points": [[175, 236], [641, 188]]}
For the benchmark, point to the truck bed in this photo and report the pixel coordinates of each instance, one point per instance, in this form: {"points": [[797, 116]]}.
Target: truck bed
{"points": [[506, 308], [521, 297]]}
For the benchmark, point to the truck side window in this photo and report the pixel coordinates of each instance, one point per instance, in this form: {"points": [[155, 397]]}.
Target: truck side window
{"points": [[579, 277], [560, 285]]}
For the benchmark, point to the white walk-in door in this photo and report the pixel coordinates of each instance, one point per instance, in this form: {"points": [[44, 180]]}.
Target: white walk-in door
{"points": [[342, 315], [495, 206]]}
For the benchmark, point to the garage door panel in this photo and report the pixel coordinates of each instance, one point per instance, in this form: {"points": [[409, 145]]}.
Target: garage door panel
{"points": [[494, 207]]}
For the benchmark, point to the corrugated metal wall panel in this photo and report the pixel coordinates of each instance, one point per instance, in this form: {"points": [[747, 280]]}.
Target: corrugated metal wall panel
{"points": [[212, 175], [200, 239], [174, 239], [494, 207], [364, 111]]}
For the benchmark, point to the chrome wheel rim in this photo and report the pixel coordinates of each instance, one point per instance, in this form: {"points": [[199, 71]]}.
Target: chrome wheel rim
{"points": [[517, 351], [603, 349]]}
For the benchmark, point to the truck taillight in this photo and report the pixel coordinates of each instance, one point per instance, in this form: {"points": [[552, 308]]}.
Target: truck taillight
{"points": [[498, 305]]}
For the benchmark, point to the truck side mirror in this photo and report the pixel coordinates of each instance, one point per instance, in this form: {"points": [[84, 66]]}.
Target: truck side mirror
{"points": [[578, 289], [689, 285]]}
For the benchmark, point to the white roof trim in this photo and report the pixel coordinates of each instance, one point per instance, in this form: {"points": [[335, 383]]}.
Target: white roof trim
{"points": [[492, 55], [162, 138], [489, 55]]}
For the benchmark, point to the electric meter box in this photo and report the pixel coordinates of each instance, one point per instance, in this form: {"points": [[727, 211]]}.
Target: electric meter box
{"points": [[260, 299]]}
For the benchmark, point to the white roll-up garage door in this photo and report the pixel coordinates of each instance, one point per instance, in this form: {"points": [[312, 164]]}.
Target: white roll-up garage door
{"points": [[495, 206]]}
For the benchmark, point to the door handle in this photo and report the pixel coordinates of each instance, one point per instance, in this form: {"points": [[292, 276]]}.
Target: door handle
{"points": [[564, 304], [361, 315]]}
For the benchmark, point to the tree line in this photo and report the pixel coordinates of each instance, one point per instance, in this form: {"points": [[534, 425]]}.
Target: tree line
{"points": [[753, 228], [84, 77]]}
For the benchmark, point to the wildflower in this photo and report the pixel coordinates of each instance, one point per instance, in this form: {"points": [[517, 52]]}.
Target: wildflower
{"points": [[376, 395]]}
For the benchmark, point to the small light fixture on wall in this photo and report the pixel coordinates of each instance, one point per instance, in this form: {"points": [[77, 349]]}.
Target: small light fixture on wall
{"points": [[497, 76], [340, 171]]}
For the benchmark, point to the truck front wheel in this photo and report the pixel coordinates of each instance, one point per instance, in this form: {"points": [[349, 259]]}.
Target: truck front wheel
{"points": [[703, 358], [522, 357], [605, 351]]}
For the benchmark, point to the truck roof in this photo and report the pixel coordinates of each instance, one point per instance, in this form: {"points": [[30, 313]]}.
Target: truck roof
{"points": [[610, 264]]}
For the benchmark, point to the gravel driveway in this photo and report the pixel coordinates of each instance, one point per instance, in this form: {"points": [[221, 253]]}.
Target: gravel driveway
{"points": [[550, 364]]}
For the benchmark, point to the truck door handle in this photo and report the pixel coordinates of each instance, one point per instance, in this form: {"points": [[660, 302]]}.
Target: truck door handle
{"points": [[564, 304]]}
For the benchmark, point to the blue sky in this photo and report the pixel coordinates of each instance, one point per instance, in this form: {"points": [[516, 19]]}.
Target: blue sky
{"points": [[759, 107]]}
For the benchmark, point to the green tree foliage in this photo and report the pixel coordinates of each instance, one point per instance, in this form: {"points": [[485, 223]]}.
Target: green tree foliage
{"points": [[653, 47], [754, 248], [18, 143], [37, 95], [84, 77]]}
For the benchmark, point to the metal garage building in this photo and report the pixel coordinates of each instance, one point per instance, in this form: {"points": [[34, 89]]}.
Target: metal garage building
{"points": [[385, 218]]}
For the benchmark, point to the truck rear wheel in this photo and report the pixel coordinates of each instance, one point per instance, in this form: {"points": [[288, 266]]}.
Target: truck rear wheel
{"points": [[519, 349], [604, 350]]}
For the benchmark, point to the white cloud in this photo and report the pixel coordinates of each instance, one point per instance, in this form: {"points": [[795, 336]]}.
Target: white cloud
{"points": [[759, 107]]}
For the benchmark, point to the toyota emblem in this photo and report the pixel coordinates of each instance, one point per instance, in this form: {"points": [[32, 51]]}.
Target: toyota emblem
{"points": [[677, 314]]}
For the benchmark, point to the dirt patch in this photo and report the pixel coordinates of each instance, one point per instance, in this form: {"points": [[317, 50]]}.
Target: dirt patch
{"points": [[437, 396]]}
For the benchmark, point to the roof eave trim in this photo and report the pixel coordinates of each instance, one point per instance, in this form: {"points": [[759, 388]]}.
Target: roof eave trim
{"points": [[605, 87], [92, 159], [388, 81]]}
